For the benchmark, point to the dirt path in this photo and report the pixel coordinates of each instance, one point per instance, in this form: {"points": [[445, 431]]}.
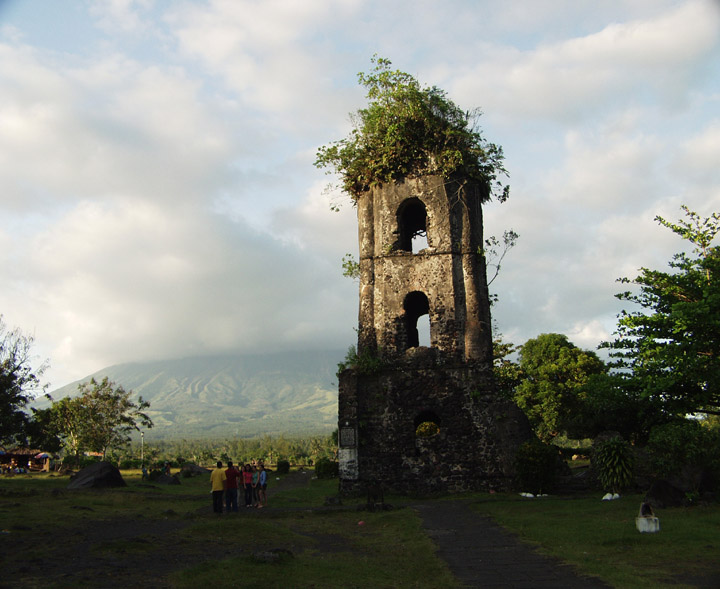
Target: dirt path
{"points": [[482, 554]]}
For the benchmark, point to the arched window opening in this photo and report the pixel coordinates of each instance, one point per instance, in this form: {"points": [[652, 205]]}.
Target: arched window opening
{"points": [[412, 225], [419, 243], [427, 425], [416, 305], [423, 329]]}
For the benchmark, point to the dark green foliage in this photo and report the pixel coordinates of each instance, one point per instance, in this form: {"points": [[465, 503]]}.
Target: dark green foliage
{"points": [[614, 463], [41, 431], [536, 466], [682, 446], [407, 130], [364, 363], [80, 462], [18, 383], [555, 375], [283, 467], [669, 350], [610, 402], [326, 468]]}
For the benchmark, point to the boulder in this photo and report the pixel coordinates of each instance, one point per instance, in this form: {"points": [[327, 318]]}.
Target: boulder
{"points": [[166, 479], [97, 476], [194, 469]]}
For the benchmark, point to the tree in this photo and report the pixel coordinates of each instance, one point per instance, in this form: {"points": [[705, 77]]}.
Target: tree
{"points": [[609, 403], [669, 350], [407, 130], [70, 418], [100, 418], [19, 383], [508, 374], [555, 373]]}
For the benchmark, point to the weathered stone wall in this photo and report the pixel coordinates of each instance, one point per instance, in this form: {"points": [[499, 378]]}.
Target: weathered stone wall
{"points": [[449, 271], [449, 383], [477, 437]]}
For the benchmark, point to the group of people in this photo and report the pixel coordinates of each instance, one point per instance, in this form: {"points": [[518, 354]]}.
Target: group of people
{"points": [[14, 468], [228, 482]]}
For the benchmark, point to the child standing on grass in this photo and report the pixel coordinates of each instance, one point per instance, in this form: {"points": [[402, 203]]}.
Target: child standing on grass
{"points": [[262, 487], [247, 484]]}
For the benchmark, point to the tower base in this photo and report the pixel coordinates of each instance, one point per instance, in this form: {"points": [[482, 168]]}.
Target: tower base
{"points": [[421, 427]]}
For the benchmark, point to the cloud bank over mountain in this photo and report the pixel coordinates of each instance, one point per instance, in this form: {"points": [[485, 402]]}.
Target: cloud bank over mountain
{"points": [[159, 198]]}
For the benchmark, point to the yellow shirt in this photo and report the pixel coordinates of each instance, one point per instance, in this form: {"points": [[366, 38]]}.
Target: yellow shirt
{"points": [[217, 479]]}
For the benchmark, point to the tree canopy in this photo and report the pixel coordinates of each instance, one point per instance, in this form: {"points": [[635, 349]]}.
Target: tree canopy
{"points": [[100, 418], [555, 373], [408, 130], [669, 349], [19, 382]]}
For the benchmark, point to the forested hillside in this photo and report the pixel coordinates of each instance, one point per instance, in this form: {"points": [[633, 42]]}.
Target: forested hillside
{"points": [[291, 393]]}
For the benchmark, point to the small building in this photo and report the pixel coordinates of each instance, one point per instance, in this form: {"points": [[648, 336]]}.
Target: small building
{"points": [[29, 459]]}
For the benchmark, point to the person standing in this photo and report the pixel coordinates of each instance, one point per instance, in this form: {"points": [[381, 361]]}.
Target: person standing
{"points": [[231, 487], [262, 487], [247, 483], [255, 478], [217, 484]]}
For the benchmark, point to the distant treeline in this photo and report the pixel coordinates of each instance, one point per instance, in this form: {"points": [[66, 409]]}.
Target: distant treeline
{"points": [[269, 449]]}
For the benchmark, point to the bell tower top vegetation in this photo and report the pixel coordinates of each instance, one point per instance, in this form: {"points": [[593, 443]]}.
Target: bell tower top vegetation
{"points": [[407, 131]]}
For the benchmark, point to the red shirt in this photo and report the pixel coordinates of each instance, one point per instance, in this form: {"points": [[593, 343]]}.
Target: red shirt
{"points": [[247, 477], [232, 477]]}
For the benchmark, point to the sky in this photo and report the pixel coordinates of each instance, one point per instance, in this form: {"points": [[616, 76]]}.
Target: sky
{"points": [[159, 198]]}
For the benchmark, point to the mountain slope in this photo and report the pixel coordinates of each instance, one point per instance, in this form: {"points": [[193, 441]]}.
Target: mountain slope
{"points": [[291, 393]]}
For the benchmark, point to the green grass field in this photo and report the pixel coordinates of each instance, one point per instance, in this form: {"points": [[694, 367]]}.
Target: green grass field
{"points": [[601, 539], [327, 547]]}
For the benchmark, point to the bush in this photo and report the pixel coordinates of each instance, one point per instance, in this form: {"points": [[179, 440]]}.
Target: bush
{"points": [[614, 464], [536, 467], [81, 463], [366, 363], [675, 448], [326, 468], [283, 467]]}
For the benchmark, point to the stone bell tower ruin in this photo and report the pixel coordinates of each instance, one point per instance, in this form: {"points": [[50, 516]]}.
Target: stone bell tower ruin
{"points": [[424, 418]]}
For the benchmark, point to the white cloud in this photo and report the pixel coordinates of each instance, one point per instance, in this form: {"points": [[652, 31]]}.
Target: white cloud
{"points": [[165, 283], [113, 127], [569, 79], [700, 154], [271, 54], [121, 16], [159, 197]]}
